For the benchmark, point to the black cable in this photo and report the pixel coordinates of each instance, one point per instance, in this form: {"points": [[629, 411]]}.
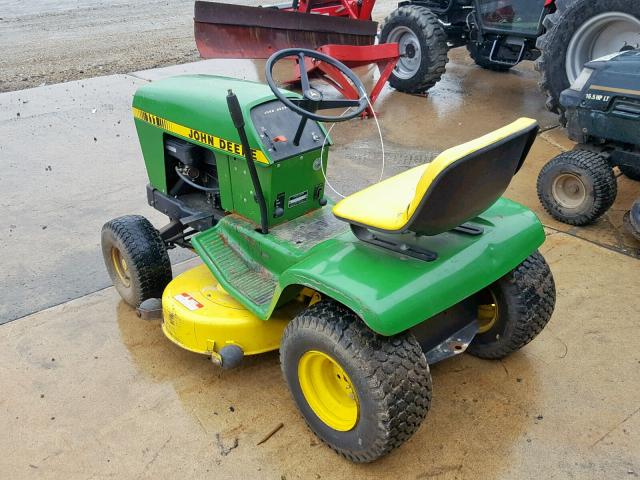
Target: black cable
{"points": [[186, 180]]}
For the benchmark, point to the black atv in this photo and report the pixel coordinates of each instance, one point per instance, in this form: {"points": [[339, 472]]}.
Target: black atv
{"points": [[562, 35], [602, 114]]}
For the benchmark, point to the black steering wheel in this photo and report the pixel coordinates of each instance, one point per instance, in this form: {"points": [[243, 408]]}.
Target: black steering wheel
{"points": [[313, 100]]}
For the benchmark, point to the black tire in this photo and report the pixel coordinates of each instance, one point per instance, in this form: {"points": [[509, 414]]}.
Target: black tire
{"points": [[525, 299], [146, 270], [390, 377], [432, 41], [560, 27], [484, 62], [631, 220], [591, 173], [631, 172]]}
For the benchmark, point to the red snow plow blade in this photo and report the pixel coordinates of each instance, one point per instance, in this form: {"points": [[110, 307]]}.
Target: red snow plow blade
{"points": [[236, 31]]}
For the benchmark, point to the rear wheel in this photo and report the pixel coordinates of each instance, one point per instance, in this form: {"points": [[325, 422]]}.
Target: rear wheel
{"points": [[136, 258], [580, 31], [577, 187], [423, 48], [515, 309], [361, 393]]}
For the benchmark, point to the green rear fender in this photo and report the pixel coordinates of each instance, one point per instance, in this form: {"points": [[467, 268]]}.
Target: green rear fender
{"points": [[393, 293]]}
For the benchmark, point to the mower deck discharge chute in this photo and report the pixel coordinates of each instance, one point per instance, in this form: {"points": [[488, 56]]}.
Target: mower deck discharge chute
{"points": [[236, 31], [359, 297]]}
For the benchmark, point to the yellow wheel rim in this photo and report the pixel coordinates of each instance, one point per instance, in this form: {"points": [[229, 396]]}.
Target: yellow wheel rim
{"points": [[487, 313], [121, 267], [328, 390]]}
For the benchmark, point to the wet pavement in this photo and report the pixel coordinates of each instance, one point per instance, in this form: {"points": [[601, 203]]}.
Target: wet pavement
{"points": [[91, 391]]}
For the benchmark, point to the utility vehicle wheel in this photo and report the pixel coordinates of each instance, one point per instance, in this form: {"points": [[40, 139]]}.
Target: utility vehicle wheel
{"points": [[361, 393], [136, 258], [577, 187], [483, 61], [515, 309], [630, 172], [423, 48], [580, 31], [631, 220]]}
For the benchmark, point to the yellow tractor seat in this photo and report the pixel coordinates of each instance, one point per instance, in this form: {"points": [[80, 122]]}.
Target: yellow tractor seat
{"points": [[457, 186]]}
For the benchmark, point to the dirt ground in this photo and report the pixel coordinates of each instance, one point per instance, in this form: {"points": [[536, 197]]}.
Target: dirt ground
{"points": [[47, 42], [53, 41]]}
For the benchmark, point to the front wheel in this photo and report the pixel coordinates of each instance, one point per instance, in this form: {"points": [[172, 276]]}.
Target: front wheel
{"points": [[361, 393], [577, 187], [513, 310], [423, 48], [136, 258]]}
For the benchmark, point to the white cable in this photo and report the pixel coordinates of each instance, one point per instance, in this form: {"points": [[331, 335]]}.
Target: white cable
{"points": [[375, 117]]}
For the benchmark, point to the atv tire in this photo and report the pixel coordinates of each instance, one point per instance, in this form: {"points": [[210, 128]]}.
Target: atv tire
{"points": [[561, 27], [423, 48], [483, 62], [136, 258], [523, 302], [577, 187], [387, 380], [631, 172]]}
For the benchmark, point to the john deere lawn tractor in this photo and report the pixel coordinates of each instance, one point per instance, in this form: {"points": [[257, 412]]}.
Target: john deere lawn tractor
{"points": [[562, 35], [359, 296], [603, 117]]}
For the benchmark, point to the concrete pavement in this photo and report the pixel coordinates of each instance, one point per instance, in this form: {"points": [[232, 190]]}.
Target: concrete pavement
{"points": [[91, 391]]}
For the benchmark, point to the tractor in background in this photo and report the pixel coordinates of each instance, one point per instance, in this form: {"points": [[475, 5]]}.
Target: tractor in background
{"points": [[560, 35], [602, 113]]}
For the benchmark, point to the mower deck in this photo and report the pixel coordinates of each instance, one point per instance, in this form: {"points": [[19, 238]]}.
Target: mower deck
{"points": [[202, 317]]}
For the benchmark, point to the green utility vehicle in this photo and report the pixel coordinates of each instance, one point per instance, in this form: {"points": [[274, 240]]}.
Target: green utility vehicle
{"points": [[359, 297]]}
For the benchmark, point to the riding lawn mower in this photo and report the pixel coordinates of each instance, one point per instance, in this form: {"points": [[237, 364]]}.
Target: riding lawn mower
{"points": [[359, 296], [602, 115]]}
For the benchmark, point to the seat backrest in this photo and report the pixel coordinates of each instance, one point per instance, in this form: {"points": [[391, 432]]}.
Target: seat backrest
{"points": [[464, 181]]}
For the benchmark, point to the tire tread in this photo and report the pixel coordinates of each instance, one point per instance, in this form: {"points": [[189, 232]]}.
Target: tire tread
{"points": [[396, 372], [560, 27], [532, 286], [150, 265], [599, 171], [436, 55]]}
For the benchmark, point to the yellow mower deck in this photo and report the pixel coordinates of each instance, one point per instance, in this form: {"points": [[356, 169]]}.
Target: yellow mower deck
{"points": [[200, 316]]}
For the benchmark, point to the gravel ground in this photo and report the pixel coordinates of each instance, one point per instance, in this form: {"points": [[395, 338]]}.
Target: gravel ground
{"points": [[53, 41]]}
